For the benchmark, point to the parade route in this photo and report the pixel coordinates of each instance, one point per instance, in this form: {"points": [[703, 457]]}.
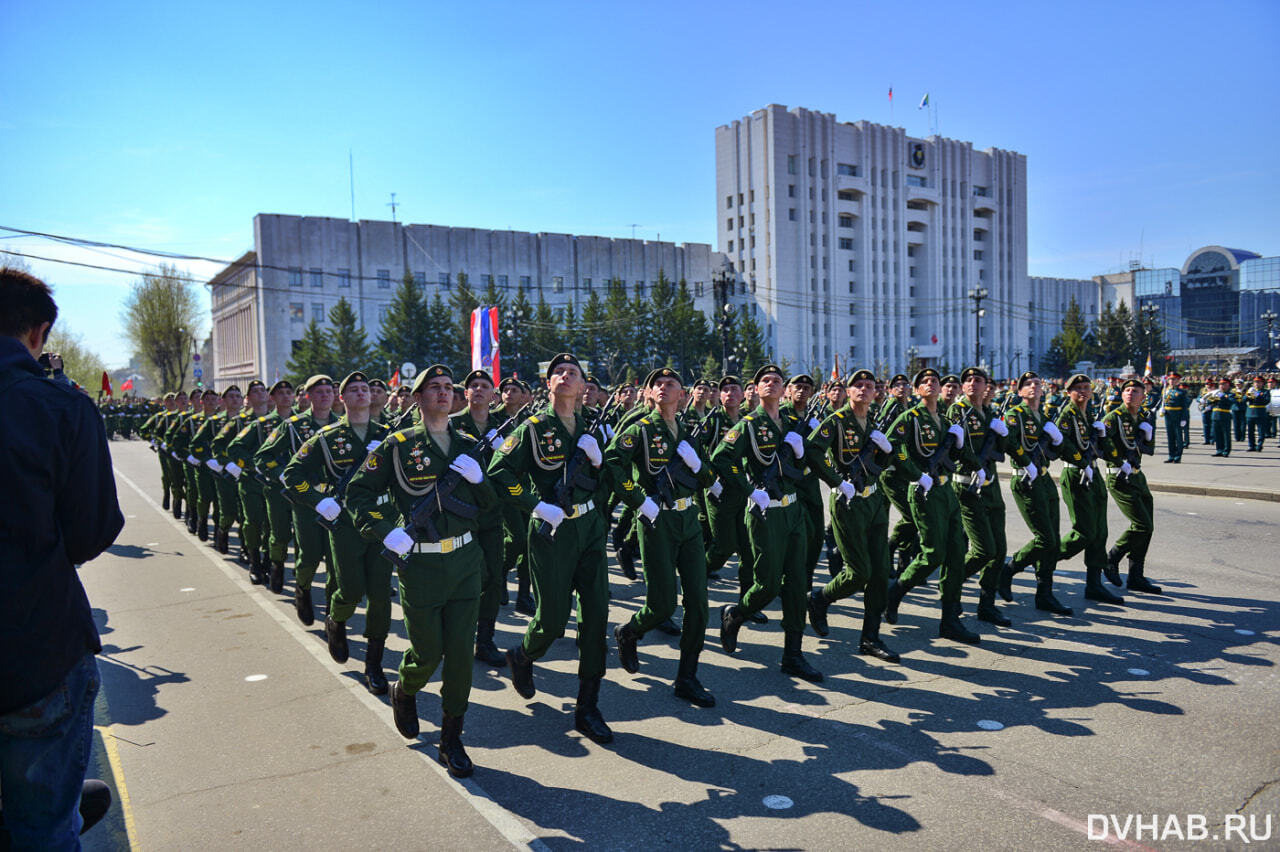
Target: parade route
{"points": [[229, 727]]}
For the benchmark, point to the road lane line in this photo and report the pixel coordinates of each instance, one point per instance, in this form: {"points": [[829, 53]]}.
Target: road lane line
{"points": [[506, 823], [117, 772]]}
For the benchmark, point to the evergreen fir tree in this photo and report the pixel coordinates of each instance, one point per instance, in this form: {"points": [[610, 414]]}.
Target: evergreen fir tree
{"points": [[347, 342], [311, 356], [405, 332]]}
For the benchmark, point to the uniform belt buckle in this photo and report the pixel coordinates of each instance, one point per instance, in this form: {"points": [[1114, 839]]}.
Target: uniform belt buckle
{"points": [[942, 479], [446, 546]]}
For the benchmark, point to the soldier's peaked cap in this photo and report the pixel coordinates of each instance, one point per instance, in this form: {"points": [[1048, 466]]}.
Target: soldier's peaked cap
{"points": [[1026, 377], [563, 358], [766, 370], [430, 373], [974, 371]]}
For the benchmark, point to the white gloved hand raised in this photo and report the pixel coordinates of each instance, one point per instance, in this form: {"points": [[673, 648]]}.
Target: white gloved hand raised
{"points": [[689, 455], [957, 432], [846, 489], [999, 427], [925, 482], [795, 442], [649, 509], [469, 468], [494, 439], [1100, 428], [878, 438], [398, 542], [716, 489], [591, 447], [550, 513], [813, 423], [1032, 471], [1126, 468], [234, 469], [213, 465], [328, 508], [1146, 430], [761, 498], [1054, 433]]}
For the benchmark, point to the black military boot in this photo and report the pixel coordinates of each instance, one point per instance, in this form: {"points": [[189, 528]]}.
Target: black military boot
{"points": [[244, 558], [1138, 581], [835, 562], [223, 542], [177, 507], [988, 612], [202, 529], [524, 601], [1005, 585], [687, 685], [374, 680], [818, 605], [897, 591], [451, 752], [586, 717], [404, 709], [521, 672], [626, 637], [951, 627], [758, 617], [486, 651], [302, 605], [1045, 600], [871, 645], [670, 626], [624, 551], [164, 504], [731, 621], [1112, 571], [276, 580], [256, 575], [793, 661], [335, 633], [1094, 590]]}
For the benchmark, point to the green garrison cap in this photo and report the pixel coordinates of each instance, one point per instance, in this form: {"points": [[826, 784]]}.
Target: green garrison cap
{"points": [[1026, 377], [563, 358], [354, 376], [663, 373], [974, 371], [860, 376], [924, 374], [430, 373], [766, 370]]}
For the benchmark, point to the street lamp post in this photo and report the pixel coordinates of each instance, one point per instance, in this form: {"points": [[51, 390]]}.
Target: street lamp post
{"points": [[977, 294], [1269, 317], [1149, 312], [721, 279]]}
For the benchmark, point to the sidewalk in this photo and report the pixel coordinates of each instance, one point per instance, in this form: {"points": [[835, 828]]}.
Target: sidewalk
{"points": [[1243, 475]]}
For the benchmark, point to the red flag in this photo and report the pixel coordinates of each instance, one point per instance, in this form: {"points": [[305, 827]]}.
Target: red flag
{"points": [[395, 379], [891, 93], [835, 370], [934, 338], [106, 383], [128, 384]]}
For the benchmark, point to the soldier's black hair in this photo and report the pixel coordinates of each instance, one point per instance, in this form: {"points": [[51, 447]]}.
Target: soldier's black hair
{"points": [[25, 302]]}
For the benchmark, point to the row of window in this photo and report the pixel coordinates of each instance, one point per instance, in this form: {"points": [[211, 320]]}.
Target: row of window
{"points": [[445, 281], [816, 166]]}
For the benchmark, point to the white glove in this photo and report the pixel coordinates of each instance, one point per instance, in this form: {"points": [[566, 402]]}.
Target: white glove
{"points": [[689, 455], [1054, 433], [1088, 474], [1184, 424], [589, 446], [716, 489], [1100, 428], [176, 457], [469, 468], [371, 446], [846, 489], [398, 542], [813, 423], [925, 482], [878, 438], [795, 442], [1145, 427], [761, 498], [957, 432], [328, 508], [982, 477], [234, 469], [608, 432], [1032, 471], [154, 444], [213, 466], [1126, 468], [494, 439], [998, 426], [550, 513], [649, 509], [193, 461]]}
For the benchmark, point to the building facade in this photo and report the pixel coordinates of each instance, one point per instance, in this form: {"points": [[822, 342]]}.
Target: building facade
{"points": [[858, 240], [302, 265]]}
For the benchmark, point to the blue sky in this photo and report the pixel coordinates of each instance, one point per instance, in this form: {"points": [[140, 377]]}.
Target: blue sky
{"points": [[1148, 127]]}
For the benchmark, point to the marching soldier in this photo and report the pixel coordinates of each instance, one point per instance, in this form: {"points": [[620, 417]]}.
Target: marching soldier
{"points": [[1223, 400], [761, 455], [799, 391], [1129, 439], [859, 517], [1256, 400], [197, 447], [903, 538], [670, 536], [571, 558], [254, 526], [439, 580], [922, 440], [726, 501], [1175, 405], [950, 392], [515, 524], [1083, 490], [1205, 401], [228, 426]]}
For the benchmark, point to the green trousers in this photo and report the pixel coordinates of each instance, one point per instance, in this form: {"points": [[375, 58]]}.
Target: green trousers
{"points": [[191, 485], [1256, 429], [674, 546], [167, 484], [313, 545], [815, 521], [515, 542], [1134, 499], [777, 544], [208, 491], [728, 521], [1222, 428], [440, 598], [983, 515], [936, 516], [494, 578], [573, 561], [228, 501], [280, 519], [861, 529], [903, 536], [361, 573], [1037, 502], [1087, 509], [1173, 434], [253, 513]]}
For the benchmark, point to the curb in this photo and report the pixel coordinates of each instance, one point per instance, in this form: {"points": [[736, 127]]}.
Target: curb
{"points": [[1194, 490]]}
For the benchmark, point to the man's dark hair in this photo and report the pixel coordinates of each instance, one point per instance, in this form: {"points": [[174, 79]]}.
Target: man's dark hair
{"points": [[25, 302]]}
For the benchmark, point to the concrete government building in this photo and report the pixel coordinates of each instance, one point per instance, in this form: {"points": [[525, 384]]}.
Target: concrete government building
{"points": [[301, 265]]}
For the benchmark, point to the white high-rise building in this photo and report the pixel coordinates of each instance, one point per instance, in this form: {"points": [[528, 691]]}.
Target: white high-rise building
{"points": [[859, 240]]}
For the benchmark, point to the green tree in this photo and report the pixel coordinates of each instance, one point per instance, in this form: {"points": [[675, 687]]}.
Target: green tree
{"points": [[1148, 338], [516, 318], [1073, 340], [347, 342], [462, 301], [746, 342], [593, 319], [80, 363], [1112, 333], [406, 332], [693, 340], [312, 355], [545, 335], [1054, 362], [161, 319], [440, 348]]}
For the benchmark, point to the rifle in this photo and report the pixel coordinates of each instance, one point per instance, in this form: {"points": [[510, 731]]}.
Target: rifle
{"points": [[782, 465], [863, 467], [1141, 447], [575, 474], [939, 460], [400, 419], [989, 452], [667, 478], [439, 497], [339, 492]]}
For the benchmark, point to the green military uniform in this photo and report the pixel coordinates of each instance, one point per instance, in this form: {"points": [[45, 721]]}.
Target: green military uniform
{"points": [[859, 520], [935, 512], [1205, 401], [809, 492], [750, 455], [489, 533], [1256, 400], [515, 531], [206, 490], [255, 520], [1085, 494], [1223, 401], [670, 544], [225, 484], [1128, 487], [904, 537], [1175, 405], [726, 513]]}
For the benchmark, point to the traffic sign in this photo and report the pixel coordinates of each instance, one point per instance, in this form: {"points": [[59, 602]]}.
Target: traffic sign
{"points": [[408, 370], [195, 356], [197, 372]]}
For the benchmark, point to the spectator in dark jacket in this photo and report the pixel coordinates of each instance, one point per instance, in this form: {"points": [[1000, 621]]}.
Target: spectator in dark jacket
{"points": [[58, 509]]}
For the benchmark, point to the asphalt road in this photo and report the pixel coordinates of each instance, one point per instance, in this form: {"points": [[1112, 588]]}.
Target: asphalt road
{"points": [[224, 724]]}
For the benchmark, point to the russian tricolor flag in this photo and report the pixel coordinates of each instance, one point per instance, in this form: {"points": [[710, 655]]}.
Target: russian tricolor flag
{"points": [[484, 340]]}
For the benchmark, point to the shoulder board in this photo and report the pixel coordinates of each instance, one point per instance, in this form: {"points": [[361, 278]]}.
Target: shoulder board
{"points": [[402, 435], [535, 419], [748, 417], [839, 415], [330, 427], [293, 418]]}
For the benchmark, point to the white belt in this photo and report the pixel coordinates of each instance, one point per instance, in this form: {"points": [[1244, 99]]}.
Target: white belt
{"points": [[449, 545], [682, 503], [382, 500], [579, 509], [787, 500], [868, 491]]}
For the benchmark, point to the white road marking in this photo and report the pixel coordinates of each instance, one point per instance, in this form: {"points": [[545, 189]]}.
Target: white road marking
{"points": [[1245, 631], [255, 678]]}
